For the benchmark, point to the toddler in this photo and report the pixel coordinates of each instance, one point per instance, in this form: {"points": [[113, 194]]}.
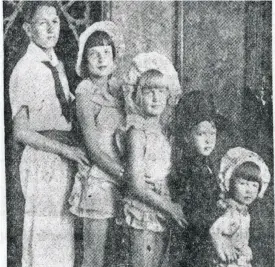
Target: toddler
{"points": [[244, 176]]}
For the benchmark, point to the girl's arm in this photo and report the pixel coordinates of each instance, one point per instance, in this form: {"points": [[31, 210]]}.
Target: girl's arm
{"points": [[221, 233], [86, 117], [135, 171], [24, 134]]}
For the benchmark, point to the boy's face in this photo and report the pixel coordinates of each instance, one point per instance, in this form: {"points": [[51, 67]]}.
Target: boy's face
{"points": [[44, 28], [245, 192], [203, 138], [154, 100], [100, 60]]}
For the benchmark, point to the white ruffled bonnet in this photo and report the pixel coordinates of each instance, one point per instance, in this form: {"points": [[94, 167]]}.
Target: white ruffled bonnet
{"points": [[233, 159], [105, 26], [150, 61]]}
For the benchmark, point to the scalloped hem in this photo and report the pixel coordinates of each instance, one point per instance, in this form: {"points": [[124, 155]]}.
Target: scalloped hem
{"points": [[92, 214]]}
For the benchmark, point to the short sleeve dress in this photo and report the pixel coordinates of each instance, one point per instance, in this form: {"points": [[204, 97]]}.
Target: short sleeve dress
{"points": [[157, 154], [238, 223], [95, 194], [48, 233]]}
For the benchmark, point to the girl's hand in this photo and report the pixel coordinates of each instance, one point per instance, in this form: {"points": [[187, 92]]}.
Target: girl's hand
{"points": [[248, 253], [226, 252], [177, 215], [78, 155], [231, 253]]}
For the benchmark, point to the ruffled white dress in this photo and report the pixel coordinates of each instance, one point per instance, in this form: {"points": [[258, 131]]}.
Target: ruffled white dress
{"points": [[157, 164]]}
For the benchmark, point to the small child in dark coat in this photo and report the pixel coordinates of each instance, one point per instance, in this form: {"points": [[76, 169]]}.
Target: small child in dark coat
{"points": [[194, 184]]}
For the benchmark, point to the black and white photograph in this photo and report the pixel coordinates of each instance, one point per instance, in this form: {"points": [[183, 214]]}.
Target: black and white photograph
{"points": [[138, 133]]}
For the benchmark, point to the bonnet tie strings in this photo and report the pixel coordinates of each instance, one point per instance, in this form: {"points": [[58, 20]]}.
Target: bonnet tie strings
{"points": [[65, 105]]}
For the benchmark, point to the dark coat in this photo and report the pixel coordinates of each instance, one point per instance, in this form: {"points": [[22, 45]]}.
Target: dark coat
{"points": [[196, 188]]}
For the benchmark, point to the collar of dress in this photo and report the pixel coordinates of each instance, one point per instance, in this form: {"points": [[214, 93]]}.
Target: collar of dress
{"points": [[149, 124], [103, 97], [239, 207]]}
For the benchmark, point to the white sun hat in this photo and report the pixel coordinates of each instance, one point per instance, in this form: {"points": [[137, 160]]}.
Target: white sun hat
{"points": [[233, 159], [151, 61], [105, 26]]}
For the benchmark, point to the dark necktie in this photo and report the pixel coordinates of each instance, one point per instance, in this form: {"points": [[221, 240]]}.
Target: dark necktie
{"points": [[65, 105]]}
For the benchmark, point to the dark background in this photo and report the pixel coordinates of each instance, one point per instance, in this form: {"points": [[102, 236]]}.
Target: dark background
{"points": [[220, 47]]}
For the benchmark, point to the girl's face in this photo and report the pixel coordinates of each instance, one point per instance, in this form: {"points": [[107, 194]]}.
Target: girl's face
{"points": [[100, 61], [153, 100], [203, 138], [245, 192]]}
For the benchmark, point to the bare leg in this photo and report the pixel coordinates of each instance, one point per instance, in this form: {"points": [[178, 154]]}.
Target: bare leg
{"points": [[147, 248], [94, 241]]}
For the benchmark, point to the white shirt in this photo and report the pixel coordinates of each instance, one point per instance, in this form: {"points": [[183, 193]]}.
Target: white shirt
{"points": [[32, 85]]}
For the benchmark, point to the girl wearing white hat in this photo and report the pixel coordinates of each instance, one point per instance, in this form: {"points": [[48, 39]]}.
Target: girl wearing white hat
{"points": [[244, 176], [99, 111], [152, 84]]}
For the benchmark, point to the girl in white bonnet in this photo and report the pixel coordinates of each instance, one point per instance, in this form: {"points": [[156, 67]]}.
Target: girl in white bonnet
{"points": [[99, 112], [244, 176], [151, 85]]}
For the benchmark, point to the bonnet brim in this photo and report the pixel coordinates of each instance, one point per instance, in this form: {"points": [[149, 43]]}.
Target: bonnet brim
{"points": [[151, 61], [233, 159]]}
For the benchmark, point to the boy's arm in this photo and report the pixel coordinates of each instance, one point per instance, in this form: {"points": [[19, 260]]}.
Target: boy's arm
{"points": [[24, 96]]}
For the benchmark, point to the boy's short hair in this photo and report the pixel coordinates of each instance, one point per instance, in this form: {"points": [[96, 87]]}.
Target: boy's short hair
{"points": [[30, 7], [249, 171], [97, 38]]}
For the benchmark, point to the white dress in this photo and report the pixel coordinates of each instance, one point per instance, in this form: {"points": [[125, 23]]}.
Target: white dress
{"points": [[48, 233], [95, 194], [157, 163], [233, 228]]}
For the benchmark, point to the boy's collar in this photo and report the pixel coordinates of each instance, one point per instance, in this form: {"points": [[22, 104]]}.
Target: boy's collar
{"points": [[39, 55]]}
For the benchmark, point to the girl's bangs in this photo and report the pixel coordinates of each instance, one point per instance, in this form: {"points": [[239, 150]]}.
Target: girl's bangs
{"points": [[249, 171], [153, 79], [99, 38], [155, 83]]}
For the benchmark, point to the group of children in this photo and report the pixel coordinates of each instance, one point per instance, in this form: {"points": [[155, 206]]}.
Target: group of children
{"points": [[131, 180], [128, 141]]}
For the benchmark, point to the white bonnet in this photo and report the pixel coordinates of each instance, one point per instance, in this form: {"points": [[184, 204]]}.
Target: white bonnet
{"points": [[151, 61], [105, 26], [233, 159]]}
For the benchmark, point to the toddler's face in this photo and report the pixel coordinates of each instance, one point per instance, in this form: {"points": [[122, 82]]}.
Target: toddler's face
{"points": [[203, 138], [154, 100], [245, 192], [100, 60], [45, 26]]}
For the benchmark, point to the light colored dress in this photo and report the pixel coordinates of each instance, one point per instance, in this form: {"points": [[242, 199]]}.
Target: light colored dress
{"points": [[48, 233], [95, 194], [157, 163], [235, 224]]}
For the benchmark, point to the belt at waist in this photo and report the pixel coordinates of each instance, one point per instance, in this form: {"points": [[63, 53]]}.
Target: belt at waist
{"points": [[65, 137]]}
